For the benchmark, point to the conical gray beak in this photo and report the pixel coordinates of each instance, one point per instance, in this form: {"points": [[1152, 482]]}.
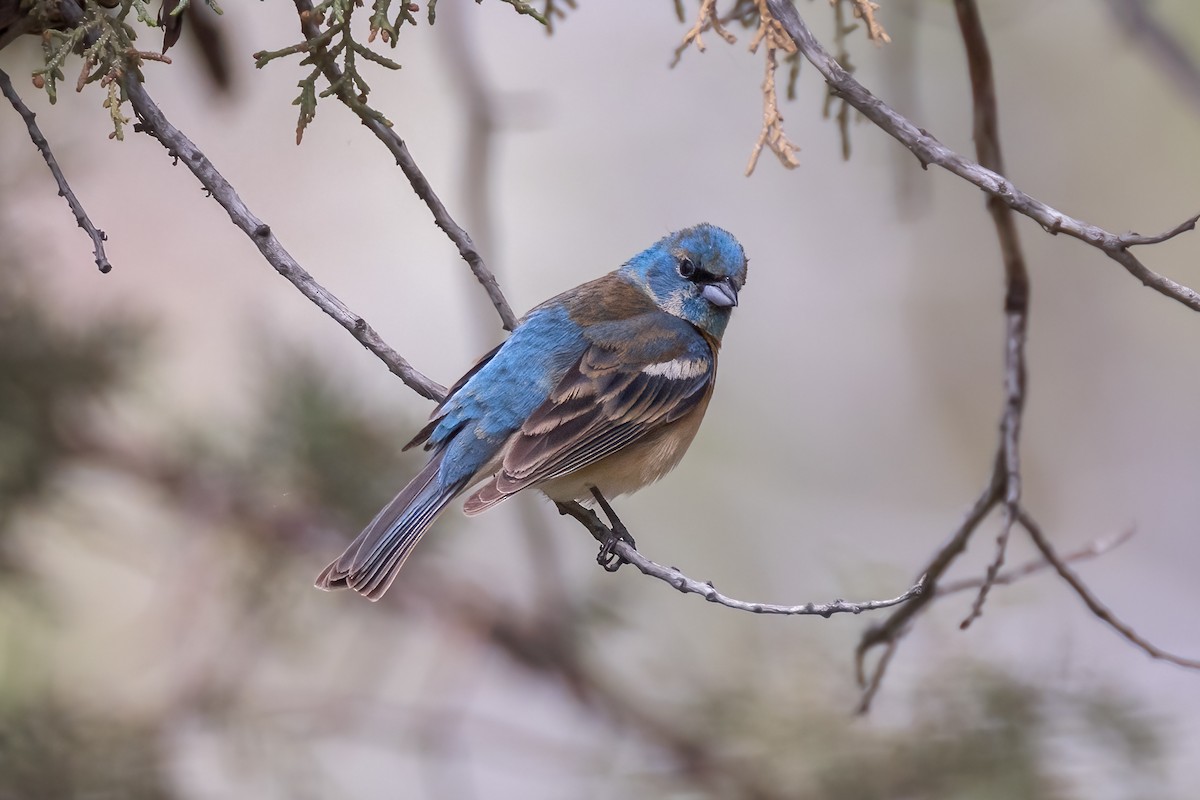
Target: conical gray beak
{"points": [[721, 294]]}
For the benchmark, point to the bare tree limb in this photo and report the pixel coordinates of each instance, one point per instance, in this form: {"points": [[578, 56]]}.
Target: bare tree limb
{"points": [[420, 184], [1134, 239], [64, 188], [1010, 576], [155, 123], [929, 150], [1016, 283], [889, 632], [602, 533], [179, 146], [1004, 487], [871, 688], [1093, 604]]}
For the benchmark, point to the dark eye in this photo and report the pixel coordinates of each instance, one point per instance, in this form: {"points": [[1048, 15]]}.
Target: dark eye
{"points": [[686, 268]]}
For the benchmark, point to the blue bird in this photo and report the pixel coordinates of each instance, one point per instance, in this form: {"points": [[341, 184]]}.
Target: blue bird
{"points": [[599, 390]]}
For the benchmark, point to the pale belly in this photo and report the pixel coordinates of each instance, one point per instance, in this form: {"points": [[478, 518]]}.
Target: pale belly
{"points": [[630, 468]]}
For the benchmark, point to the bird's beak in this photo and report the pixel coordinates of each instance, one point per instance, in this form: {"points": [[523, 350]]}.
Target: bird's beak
{"points": [[722, 294]]}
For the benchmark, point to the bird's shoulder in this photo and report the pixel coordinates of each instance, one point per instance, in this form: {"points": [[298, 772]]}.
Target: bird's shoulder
{"points": [[607, 298], [622, 323]]}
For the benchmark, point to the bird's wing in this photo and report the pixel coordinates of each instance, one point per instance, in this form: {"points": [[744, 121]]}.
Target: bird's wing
{"points": [[435, 418], [634, 378]]}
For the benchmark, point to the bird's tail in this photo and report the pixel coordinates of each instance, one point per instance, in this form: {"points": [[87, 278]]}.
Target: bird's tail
{"points": [[371, 562]]}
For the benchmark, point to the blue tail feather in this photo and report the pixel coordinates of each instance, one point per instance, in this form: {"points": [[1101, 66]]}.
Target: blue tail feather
{"points": [[373, 559]]}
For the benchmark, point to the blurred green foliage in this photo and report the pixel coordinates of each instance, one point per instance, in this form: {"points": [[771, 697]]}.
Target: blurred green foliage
{"points": [[331, 42], [51, 751], [51, 375], [971, 732], [313, 436]]}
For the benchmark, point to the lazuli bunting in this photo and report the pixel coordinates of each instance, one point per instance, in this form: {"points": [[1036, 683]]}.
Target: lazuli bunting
{"points": [[600, 388]]}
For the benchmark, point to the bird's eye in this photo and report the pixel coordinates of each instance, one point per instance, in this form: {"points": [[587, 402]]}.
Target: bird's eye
{"points": [[686, 268]]}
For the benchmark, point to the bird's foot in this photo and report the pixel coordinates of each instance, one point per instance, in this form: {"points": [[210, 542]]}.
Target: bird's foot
{"points": [[617, 532]]}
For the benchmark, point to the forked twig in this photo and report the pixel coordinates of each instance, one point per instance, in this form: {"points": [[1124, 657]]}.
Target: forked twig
{"points": [[1093, 603]]}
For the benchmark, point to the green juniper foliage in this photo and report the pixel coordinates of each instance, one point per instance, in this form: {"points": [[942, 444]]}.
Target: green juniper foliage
{"points": [[105, 40], [51, 375], [106, 35], [332, 49]]}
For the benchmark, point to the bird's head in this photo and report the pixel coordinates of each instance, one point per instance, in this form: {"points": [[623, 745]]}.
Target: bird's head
{"points": [[694, 274]]}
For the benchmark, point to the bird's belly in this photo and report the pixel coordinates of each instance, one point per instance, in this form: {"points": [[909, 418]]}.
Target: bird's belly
{"points": [[631, 467]]}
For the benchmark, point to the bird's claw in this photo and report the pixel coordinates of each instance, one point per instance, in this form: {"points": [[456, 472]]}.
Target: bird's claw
{"points": [[617, 532], [608, 557]]}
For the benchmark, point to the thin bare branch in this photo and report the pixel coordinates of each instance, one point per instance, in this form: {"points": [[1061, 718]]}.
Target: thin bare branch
{"points": [[1010, 576], [1134, 239], [155, 123], [871, 687], [885, 659], [64, 188], [929, 150], [889, 632], [602, 533], [1016, 283], [416, 178], [1093, 604]]}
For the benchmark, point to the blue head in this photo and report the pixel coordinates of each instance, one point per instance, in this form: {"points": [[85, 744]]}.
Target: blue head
{"points": [[694, 274]]}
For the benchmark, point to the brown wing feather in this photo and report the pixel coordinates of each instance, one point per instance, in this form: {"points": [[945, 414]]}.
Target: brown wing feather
{"points": [[599, 407]]}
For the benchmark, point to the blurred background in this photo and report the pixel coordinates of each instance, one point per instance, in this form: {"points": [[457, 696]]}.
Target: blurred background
{"points": [[186, 441]]}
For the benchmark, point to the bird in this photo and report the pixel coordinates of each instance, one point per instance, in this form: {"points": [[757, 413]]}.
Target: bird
{"points": [[598, 392]]}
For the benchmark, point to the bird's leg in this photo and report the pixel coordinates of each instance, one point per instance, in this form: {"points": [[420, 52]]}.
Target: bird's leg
{"points": [[607, 558]]}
